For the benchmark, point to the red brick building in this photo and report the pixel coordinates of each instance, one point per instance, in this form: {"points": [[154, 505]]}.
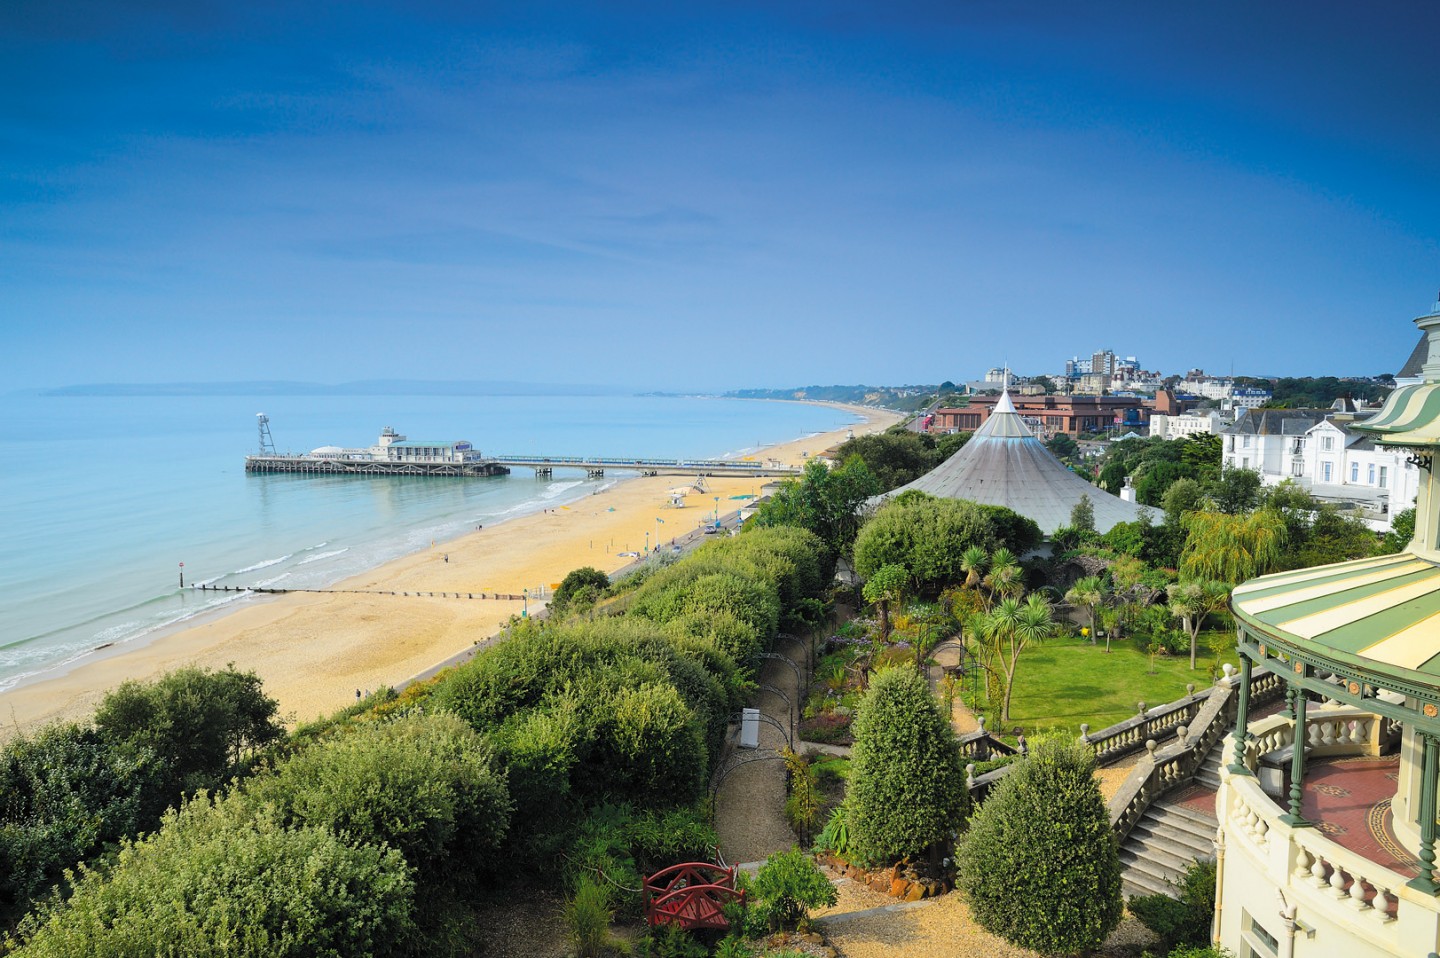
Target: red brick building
{"points": [[1050, 415]]}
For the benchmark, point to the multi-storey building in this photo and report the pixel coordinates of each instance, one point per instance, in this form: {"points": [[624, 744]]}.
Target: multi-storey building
{"points": [[1322, 452]]}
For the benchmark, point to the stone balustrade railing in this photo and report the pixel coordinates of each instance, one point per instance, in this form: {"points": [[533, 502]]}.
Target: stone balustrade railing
{"points": [[1123, 738], [1325, 880], [1338, 730], [1164, 769]]}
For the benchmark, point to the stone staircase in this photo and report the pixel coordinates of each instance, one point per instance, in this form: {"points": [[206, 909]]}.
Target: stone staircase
{"points": [[1161, 847], [1208, 774]]}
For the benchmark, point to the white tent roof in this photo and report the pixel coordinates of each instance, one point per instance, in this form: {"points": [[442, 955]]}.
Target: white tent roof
{"points": [[1003, 464]]}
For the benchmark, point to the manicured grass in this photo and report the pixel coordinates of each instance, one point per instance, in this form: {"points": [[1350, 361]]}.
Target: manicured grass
{"points": [[1065, 682]]}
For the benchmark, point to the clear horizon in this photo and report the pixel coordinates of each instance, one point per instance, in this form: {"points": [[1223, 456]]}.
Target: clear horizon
{"points": [[714, 197]]}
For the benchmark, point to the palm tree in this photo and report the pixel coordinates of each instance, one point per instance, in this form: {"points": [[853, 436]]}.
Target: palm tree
{"points": [[1008, 630], [972, 563], [1191, 600], [1005, 577], [1087, 593]]}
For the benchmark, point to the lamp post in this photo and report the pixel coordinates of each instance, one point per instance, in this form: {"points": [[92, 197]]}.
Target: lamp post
{"points": [[717, 512], [525, 598]]}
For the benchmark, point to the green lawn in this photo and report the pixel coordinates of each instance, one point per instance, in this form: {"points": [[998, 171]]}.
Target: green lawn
{"points": [[1065, 682]]}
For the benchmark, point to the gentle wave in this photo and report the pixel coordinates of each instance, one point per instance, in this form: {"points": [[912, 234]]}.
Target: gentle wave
{"points": [[261, 565], [319, 556]]}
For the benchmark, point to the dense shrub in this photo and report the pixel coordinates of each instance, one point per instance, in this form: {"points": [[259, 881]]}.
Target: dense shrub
{"points": [[422, 784], [787, 886], [64, 794], [650, 748], [927, 536], [907, 787], [217, 881], [586, 579], [1039, 863], [201, 724], [1182, 921]]}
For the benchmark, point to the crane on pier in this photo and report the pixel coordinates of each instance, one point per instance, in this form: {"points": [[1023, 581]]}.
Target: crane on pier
{"points": [[267, 442]]}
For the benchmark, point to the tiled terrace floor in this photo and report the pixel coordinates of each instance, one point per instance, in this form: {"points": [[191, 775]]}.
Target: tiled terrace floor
{"points": [[1348, 799]]}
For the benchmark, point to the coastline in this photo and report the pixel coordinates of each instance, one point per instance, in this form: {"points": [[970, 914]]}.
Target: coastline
{"points": [[313, 651]]}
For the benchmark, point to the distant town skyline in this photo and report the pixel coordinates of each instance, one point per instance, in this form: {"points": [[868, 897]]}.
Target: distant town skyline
{"points": [[712, 197]]}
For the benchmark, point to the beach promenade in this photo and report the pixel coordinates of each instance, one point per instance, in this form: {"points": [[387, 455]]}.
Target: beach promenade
{"points": [[315, 650]]}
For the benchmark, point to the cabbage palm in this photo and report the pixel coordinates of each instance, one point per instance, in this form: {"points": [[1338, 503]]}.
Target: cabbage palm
{"points": [[1087, 593], [1007, 631]]}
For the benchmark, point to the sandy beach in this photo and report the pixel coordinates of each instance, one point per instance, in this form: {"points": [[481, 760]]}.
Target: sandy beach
{"points": [[314, 650]]}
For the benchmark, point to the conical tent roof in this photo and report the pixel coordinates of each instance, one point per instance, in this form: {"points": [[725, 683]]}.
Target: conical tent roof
{"points": [[1003, 464]]}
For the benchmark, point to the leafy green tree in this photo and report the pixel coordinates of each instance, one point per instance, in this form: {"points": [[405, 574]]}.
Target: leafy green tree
{"points": [[895, 456], [1201, 455], [885, 586], [907, 786], [1082, 515], [1191, 600], [1184, 495], [1402, 531], [929, 537], [1232, 548], [1237, 491], [824, 500], [1063, 446], [203, 725], [421, 783], [216, 884], [1112, 477], [586, 582], [1333, 537], [1154, 478], [949, 444], [1039, 865], [64, 794]]}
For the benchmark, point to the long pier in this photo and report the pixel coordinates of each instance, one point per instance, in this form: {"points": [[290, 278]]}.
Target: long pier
{"points": [[595, 466], [339, 466]]}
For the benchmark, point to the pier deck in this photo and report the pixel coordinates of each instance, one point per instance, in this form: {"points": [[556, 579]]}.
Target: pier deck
{"points": [[500, 465]]}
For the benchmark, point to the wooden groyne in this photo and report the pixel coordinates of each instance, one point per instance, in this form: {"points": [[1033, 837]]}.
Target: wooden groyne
{"points": [[265, 590]]}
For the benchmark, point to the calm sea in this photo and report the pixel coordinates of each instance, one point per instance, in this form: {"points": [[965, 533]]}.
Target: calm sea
{"points": [[102, 498]]}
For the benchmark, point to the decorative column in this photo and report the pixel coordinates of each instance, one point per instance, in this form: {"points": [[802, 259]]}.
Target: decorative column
{"points": [[1242, 718], [1425, 881], [1297, 757]]}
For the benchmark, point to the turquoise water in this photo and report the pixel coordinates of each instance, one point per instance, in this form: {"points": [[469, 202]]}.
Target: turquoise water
{"points": [[104, 497]]}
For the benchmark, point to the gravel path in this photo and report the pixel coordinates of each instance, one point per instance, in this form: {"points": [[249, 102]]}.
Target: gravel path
{"points": [[750, 805]]}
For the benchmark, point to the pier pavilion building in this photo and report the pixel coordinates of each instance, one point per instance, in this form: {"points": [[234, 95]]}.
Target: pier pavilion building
{"points": [[1327, 811]]}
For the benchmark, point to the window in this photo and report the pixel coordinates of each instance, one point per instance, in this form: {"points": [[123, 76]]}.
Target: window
{"points": [[1244, 462], [1327, 443], [1370, 478], [1383, 470], [1245, 441], [1326, 471], [1354, 472], [1297, 467]]}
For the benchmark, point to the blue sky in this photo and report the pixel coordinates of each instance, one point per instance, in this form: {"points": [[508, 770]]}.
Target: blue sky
{"points": [[695, 196]]}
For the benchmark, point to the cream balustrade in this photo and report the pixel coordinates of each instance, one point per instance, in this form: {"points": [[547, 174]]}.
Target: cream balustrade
{"points": [[1342, 896]]}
